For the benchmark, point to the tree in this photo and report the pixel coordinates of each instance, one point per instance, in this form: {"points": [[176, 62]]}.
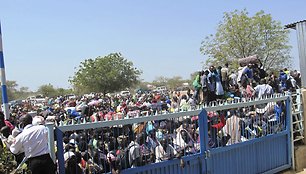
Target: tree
{"points": [[23, 93], [239, 36], [11, 89], [13, 93], [47, 90], [106, 74], [175, 82], [24, 89], [143, 85], [62, 91], [160, 81], [172, 82]]}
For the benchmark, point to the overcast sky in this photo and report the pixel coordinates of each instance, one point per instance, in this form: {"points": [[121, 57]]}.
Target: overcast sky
{"points": [[44, 41]]}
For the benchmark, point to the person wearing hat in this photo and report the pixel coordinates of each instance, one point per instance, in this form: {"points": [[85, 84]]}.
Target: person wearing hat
{"points": [[33, 141]]}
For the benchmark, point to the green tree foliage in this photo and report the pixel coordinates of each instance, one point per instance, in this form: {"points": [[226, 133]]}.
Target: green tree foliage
{"points": [[143, 85], [160, 81], [172, 83], [106, 74], [11, 90], [16, 93], [47, 90], [62, 91], [240, 35], [175, 82], [50, 91], [13, 93], [22, 93]]}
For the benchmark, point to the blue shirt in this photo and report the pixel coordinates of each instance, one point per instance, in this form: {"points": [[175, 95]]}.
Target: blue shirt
{"points": [[248, 72], [278, 111]]}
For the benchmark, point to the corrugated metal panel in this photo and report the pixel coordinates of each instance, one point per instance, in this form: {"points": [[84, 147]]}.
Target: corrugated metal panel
{"points": [[293, 25], [256, 157], [193, 164], [301, 37]]}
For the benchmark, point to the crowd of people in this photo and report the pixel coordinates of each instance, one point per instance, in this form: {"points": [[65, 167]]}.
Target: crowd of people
{"points": [[250, 81], [112, 149]]}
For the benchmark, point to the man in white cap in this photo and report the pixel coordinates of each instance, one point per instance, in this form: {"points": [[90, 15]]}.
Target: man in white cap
{"points": [[33, 140]]}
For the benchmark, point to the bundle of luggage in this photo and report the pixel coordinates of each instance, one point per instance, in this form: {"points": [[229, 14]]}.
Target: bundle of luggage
{"points": [[248, 60]]}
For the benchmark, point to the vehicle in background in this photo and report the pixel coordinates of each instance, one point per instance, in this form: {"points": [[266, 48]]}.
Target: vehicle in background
{"points": [[16, 102], [34, 97], [182, 88], [30, 98], [71, 96], [143, 91], [161, 89], [37, 100], [125, 93], [40, 102], [91, 95]]}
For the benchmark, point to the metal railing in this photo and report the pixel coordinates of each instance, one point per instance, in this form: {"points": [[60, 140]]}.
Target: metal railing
{"points": [[297, 116], [180, 131]]}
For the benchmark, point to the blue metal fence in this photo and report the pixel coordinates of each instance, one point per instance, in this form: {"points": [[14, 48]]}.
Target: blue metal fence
{"points": [[234, 137], [270, 153]]}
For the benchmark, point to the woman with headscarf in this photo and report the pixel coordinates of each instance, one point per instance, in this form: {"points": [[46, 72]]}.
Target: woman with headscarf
{"points": [[184, 141]]}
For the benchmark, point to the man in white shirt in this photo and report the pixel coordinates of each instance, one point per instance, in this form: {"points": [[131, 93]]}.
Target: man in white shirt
{"points": [[263, 89], [33, 141], [233, 79], [165, 151]]}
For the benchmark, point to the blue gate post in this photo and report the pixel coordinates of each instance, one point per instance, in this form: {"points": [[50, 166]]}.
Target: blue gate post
{"points": [[289, 128], [50, 127], [203, 131], [60, 150]]}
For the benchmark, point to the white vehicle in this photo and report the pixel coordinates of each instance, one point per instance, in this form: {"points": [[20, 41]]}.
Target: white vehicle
{"points": [[161, 89], [125, 93], [31, 98], [71, 96], [91, 95]]}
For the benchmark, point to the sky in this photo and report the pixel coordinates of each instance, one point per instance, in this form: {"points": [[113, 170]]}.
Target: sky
{"points": [[44, 41]]}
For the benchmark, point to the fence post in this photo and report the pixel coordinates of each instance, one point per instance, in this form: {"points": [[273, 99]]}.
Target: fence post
{"points": [[50, 127], [203, 133], [289, 127], [60, 150]]}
